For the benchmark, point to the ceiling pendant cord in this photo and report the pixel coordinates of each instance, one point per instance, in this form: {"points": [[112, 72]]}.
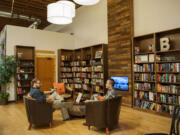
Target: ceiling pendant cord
{"points": [[12, 8]]}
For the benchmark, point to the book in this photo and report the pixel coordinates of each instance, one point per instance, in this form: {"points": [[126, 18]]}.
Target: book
{"points": [[151, 57], [78, 98]]}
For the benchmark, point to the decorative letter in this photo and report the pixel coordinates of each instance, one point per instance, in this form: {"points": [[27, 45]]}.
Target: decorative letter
{"points": [[164, 44]]}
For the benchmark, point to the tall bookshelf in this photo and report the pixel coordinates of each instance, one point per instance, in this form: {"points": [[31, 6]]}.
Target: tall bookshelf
{"points": [[84, 69], [25, 56], [156, 72]]}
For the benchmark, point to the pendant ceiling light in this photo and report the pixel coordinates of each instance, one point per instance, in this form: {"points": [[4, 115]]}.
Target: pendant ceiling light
{"points": [[61, 12], [86, 2]]}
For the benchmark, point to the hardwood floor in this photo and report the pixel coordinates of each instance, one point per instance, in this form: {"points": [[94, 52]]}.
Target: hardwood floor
{"points": [[13, 121]]}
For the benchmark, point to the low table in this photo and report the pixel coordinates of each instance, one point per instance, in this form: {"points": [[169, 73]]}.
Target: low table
{"points": [[78, 110]]}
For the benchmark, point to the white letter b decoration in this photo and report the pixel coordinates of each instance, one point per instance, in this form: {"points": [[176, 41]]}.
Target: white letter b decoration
{"points": [[164, 44]]}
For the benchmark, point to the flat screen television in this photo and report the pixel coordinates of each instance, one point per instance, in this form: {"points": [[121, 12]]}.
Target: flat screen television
{"points": [[121, 83]]}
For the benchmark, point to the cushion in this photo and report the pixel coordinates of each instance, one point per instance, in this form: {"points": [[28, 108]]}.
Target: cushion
{"points": [[60, 88], [100, 97]]}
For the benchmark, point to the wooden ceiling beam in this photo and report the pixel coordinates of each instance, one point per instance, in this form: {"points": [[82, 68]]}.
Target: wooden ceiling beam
{"points": [[18, 9], [32, 8]]}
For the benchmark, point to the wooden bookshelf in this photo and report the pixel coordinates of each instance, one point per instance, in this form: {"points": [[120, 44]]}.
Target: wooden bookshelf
{"points": [[25, 56], [164, 68], [87, 68]]}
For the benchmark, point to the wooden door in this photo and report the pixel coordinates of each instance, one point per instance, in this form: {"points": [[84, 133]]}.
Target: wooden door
{"points": [[45, 71]]}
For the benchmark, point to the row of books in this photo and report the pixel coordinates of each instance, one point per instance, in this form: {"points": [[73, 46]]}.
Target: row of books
{"points": [[97, 88], [77, 57], [84, 69], [97, 75], [20, 91], [85, 63], [150, 96], [66, 64], [168, 88], [86, 87], [155, 97], [166, 58], [88, 81], [169, 67], [69, 85], [76, 63], [144, 86], [143, 67], [82, 63], [172, 78], [78, 80], [97, 68], [87, 69], [67, 80], [66, 69], [144, 77], [166, 98], [66, 57], [68, 75], [84, 75], [99, 82], [81, 69], [154, 106], [77, 86]]}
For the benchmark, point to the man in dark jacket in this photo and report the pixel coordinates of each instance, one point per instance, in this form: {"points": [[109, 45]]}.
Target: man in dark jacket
{"points": [[54, 98]]}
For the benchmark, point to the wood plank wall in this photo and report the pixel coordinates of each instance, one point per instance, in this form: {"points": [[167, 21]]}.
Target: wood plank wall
{"points": [[120, 31]]}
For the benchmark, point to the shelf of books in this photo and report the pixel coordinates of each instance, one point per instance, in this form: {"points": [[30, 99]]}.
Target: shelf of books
{"points": [[25, 69], [156, 71], [84, 69]]}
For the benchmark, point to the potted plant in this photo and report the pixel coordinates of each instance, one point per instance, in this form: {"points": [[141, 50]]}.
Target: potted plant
{"points": [[7, 71]]}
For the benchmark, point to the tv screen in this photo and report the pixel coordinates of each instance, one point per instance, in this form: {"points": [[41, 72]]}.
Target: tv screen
{"points": [[121, 83]]}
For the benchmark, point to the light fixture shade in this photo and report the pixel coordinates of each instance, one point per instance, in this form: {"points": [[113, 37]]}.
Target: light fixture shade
{"points": [[86, 2], [61, 12]]}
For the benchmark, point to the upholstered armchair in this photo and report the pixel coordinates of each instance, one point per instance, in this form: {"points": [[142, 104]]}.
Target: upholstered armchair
{"points": [[38, 113], [103, 113]]}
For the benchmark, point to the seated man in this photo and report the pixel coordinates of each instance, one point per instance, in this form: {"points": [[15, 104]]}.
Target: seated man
{"points": [[54, 98], [111, 93]]}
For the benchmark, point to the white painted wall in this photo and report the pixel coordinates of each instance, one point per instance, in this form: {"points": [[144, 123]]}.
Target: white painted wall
{"points": [[155, 15], [42, 40], [89, 25]]}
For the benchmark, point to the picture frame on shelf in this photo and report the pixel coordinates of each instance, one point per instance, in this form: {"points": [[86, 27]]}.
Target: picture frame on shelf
{"points": [[98, 54]]}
